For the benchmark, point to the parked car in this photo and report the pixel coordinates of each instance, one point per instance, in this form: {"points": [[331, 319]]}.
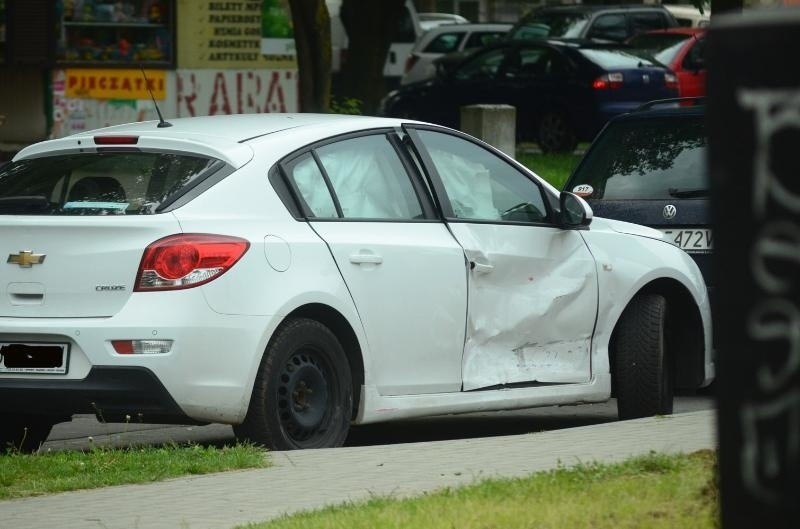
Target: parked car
{"points": [[683, 51], [649, 167], [564, 92], [608, 23], [431, 20], [293, 274], [690, 16], [446, 39]]}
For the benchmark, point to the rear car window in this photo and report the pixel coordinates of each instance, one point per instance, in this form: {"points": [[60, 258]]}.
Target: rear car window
{"points": [[616, 58], [657, 158], [664, 47], [108, 183], [568, 25]]}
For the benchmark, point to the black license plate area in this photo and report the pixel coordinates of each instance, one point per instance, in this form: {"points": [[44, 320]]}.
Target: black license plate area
{"points": [[21, 357]]}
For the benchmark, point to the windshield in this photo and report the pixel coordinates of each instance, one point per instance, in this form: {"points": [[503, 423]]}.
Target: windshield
{"points": [[541, 25], [664, 47], [113, 183], [658, 158]]}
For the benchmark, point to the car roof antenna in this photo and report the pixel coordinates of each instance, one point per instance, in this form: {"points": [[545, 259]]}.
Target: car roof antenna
{"points": [[161, 122]]}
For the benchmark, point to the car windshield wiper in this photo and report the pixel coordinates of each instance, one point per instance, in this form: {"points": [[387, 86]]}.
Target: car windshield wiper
{"points": [[24, 203], [688, 193]]}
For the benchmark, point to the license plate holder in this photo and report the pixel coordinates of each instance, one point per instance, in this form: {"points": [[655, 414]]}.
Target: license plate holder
{"points": [[691, 240], [40, 358]]}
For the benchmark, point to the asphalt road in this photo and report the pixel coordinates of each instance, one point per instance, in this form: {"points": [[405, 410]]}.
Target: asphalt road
{"points": [[84, 431]]}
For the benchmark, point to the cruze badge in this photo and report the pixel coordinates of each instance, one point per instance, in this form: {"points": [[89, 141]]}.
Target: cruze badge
{"points": [[670, 211], [26, 258]]}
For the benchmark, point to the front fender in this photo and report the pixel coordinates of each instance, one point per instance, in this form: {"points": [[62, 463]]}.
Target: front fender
{"points": [[626, 264]]}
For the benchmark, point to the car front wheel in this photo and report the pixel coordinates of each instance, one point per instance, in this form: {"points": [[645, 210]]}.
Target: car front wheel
{"points": [[643, 374], [303, 395]]}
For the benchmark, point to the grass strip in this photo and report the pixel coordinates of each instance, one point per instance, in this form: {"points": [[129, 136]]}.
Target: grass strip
{"points": [[655, 491], [34, 474], [555, 168]]}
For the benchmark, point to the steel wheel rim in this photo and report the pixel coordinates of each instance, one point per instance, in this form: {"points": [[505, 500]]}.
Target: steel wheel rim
{"points": [[304, 397]]}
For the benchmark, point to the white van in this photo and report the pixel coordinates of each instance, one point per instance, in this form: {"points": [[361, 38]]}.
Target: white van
{"points": [[690, 16]]}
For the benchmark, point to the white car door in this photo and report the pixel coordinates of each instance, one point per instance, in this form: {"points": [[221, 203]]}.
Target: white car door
{"points": [[405, 271], [532, 285]]}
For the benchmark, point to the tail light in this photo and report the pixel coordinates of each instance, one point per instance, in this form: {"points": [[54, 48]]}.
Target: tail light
{"points": [[671, 81], [411, 61], [187, 260], [608, 81]]}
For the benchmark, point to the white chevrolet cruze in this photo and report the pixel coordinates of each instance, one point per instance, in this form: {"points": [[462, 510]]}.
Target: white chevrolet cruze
{"points": [[294, 274]]}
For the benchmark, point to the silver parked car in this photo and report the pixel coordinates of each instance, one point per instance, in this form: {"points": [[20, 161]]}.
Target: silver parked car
{"points": [[444, 39]]}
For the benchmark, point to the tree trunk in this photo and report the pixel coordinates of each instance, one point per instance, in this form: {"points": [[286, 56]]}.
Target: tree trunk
{"points": [[370, 25], [312, 37], [726, 6]]}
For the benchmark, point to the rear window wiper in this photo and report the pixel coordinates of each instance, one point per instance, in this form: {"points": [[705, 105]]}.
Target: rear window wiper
{"points": [[688, 193], [24, 203]]}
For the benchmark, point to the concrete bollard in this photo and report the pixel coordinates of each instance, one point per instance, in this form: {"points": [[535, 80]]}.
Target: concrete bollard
{"points": [[494, 124]]}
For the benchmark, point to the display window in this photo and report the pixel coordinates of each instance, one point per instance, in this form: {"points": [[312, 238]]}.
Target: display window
{"points": [[107, 33]]}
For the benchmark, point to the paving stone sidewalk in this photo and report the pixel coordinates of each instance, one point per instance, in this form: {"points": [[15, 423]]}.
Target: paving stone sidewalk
{"points": [[308, 479]]}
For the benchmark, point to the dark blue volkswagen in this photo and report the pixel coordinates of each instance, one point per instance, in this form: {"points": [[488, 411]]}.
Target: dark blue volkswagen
{"points": [[649, 167]]}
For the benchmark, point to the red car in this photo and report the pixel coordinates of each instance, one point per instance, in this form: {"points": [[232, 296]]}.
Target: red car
{"points": [[680, 49]]}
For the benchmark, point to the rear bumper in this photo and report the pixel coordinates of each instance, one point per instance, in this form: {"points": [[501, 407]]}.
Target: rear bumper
{"points": [[112, 393], [207, 375]]}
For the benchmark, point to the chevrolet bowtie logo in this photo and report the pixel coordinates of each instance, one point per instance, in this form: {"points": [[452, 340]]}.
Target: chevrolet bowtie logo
{"points": [[26, 258]]}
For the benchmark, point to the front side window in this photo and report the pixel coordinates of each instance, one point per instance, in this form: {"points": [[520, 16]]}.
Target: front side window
{"points": [[480, 185], [609, 27], [100, 183], [541, 25], [369, 180], [643, 21]]}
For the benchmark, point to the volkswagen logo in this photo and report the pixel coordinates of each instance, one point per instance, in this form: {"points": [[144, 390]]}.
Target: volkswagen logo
{"points": [[670, 211]]}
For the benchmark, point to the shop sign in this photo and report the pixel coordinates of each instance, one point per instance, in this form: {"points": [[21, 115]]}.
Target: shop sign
{"points": [[85, 83]]}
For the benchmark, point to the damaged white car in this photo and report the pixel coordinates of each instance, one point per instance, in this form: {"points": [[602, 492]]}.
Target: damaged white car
{"points": [[292, 275]]}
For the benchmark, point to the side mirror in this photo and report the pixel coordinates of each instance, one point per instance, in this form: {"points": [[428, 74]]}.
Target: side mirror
{"points": [[575, 211]]}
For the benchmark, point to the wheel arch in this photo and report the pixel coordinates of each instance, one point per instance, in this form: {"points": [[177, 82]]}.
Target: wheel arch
{"points": [[685, 335], [341, 328]]}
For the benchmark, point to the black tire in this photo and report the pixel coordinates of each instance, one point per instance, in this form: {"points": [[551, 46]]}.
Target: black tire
{"points": [[643, 373], [555, 133], [24, 433], [303, 394]]}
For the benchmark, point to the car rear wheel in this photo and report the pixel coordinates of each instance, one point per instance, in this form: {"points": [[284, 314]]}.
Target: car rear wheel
{"points": [[303, 395], [24, 433], [556, 133], [643, 375]]}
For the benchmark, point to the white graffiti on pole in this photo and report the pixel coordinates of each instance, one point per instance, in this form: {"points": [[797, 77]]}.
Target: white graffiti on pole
{"points": [[770, 416]]}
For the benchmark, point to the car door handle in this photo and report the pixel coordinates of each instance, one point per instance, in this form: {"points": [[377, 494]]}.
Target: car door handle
{"points": [[481, 268], [366, 258]]}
